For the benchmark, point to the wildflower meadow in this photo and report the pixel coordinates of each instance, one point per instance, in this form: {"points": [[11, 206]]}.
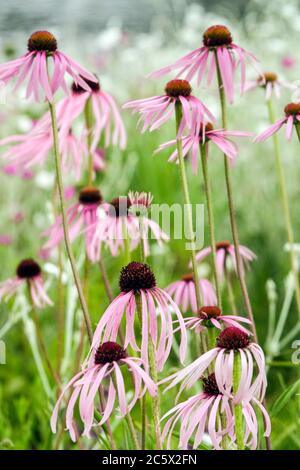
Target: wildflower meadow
{"points": [[149, 232]]}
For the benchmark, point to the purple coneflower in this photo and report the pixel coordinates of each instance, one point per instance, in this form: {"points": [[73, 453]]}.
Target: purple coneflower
{"points": [[28, 272], [217, 46], [201, 412], [205, 134], [137, 279], [105, 112], [211, 316], [270, 83], [291, 118], [32, 67], [231, 341], [82, 217], [34, 148], [104, 367], [157, 110], [122, 222], [224, 250], [183, 293]]}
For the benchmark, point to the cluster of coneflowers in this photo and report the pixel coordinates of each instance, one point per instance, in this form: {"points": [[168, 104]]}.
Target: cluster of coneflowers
{"points": [[220, 395]]}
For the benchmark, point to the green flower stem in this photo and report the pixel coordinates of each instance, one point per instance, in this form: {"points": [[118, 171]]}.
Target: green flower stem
{"points": [[285, 203], [230, 290], [187, 202], [105, 279], [41, 341], [297, 126], [231, 208], [65, 223], [212, 334], [129, 421], [144, 397], [153, 374], [238, 409], [88, 115], [233, 221], [211, 224]]}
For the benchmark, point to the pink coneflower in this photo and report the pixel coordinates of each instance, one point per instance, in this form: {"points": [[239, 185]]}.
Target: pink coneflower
{"points": [[17, 217], [122, 222], [288, 62], [82, 218], [157, 110], [34, 148], [292, 117], [138, 279], [32, 67], [28, 272], [106, 115], [270, 83], [18, 170], [205, 134], [104, 368], [217, 42], [230, 342], [211, 316], [225, 250], [5, 240], [183, 293], [201, 412]]}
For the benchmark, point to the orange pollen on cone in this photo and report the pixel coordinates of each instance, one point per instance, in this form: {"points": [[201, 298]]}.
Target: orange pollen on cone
{"points": [[42, 41], [292, 109], [176, 88], [217, 35]]}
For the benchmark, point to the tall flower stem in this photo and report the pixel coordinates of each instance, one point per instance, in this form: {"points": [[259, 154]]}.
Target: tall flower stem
{"points": [[232, 214], [41, 341], [64, 221], [129, 422], [188, 207], [285, 204], [230, 290], [154, 376], [238, 409], [105, 280], [144, 397], [89, 126], [211, 224], [234, 229], [187, 202]]}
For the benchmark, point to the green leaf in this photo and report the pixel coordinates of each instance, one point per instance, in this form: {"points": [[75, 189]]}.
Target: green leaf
{"points": [[284, 398]]}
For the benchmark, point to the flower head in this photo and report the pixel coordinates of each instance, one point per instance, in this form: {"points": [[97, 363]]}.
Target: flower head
{"points": [[122, 221], [43, 82], [35, 147], [82, 217], [103, 368], [105, 113], [230, 342], [218, 50], [200, 413], [291, 118], [210, 316], [203, 135], [157, 110], [140, 291], [28, 272], [226, 250], [184, 292], [270, 82]]}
